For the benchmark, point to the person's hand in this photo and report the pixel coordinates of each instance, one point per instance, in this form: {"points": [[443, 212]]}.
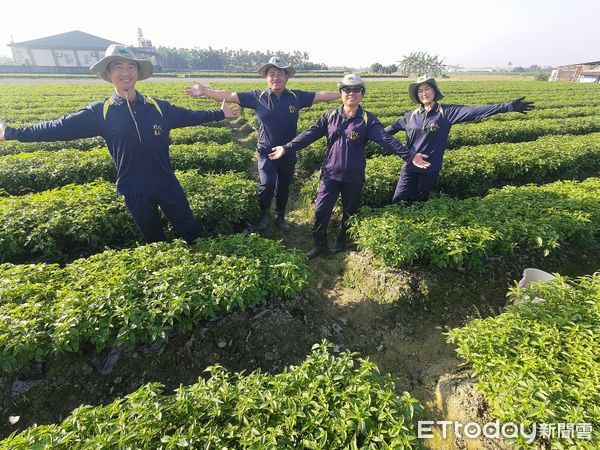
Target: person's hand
{"points": [[519, 105], [2, 128], [419, 160], [230, 113], [196, 90], [277, 152]]}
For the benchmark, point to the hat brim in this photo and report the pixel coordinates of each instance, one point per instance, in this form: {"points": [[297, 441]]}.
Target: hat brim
{"points": [[342, 85], [413, 89], [145, 67], [262, 71]]}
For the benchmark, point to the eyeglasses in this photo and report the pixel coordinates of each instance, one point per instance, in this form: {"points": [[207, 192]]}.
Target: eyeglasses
{"points": [[355, 89]]}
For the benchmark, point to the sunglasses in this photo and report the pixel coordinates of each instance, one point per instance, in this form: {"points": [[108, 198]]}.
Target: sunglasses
{"points": [[355, 90]]}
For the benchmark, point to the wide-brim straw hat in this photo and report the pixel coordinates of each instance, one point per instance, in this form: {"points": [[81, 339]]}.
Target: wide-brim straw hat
{"points": [[117, 52], [413, 88], [279, 63]]}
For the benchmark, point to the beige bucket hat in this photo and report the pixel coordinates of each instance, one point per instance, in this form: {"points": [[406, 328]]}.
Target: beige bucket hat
{"points": [[413, 88], [279, 63], [116, 52]]}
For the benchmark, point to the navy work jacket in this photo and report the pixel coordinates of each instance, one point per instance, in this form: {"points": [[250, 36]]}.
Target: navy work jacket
{"points": [[137, 139], [277, 116], [346, 141], [427, 132]]}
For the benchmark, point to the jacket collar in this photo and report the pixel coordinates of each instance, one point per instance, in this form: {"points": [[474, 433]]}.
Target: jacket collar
{"points": [[118, 100], [269, 92], [433, 110], [359, 113]]}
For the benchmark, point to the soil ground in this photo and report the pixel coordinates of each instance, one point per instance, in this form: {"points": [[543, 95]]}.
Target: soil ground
{"points": [[404, 339]]}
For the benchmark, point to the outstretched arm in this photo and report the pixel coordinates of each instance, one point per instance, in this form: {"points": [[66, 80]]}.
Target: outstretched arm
{"points": [[326, 96], [461, 113], [398, 125], [521, 106], [378, 134], [82, 124], [199, 91], [304, 139], [181, 117]]}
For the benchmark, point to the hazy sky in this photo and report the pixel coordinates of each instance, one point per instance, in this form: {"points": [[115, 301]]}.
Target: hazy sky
{"points": [[472, 33]]}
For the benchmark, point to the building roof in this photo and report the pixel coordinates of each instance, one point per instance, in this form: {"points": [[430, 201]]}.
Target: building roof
{"points": [[70, 39]]}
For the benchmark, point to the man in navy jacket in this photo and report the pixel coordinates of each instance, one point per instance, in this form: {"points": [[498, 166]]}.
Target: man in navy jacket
{"points": [[136, 130], [277, 110]]}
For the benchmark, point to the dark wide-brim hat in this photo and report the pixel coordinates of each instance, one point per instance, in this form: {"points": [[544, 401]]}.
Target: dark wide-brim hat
{"points": [[279, 63], [413, 88], [116, 52]]}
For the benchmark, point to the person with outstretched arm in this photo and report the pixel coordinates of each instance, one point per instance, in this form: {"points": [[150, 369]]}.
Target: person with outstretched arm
{"points": [[427, 129], [348, 129], [136, 130], [277, 110]]}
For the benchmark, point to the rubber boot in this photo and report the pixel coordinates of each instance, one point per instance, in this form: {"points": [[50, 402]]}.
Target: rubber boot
{"points": [[340, 240], [281, 223], [320, 246], [263, 223]]}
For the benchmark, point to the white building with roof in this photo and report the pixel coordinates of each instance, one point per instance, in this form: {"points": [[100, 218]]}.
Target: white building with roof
{"points": [[588, 72], [71, 49]]}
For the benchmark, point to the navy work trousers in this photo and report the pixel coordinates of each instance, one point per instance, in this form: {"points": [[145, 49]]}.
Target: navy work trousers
{"points": [[327, 195], [414, 186], [275, 179], [174, 205]]}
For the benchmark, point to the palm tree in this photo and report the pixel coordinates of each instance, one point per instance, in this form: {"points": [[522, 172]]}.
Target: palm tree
{"points": [[421, 63]]}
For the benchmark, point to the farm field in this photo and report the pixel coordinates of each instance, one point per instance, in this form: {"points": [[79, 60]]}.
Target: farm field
{"points": [[421, 294]]}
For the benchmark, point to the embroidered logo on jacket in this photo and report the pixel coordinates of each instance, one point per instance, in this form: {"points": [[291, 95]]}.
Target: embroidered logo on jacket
{"points": [[157, 130], [434, 127], [292, 109], [353, 135]]}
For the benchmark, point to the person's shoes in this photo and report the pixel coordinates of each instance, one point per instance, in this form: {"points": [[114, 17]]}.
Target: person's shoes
{"points": [[340, 240], [249, 229], [263, 223], [316, 251], [338, 246], [282, 224]]}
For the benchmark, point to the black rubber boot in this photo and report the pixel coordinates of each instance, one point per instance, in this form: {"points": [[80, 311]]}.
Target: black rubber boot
{"points": [[320, 246], [281, 223], [263, 223], [340, 241]]}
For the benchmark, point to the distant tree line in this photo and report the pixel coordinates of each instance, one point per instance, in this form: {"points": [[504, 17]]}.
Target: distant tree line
{"points": [[533, 68], [226, 59], [379, 68], [7, 61], [417, 63]]}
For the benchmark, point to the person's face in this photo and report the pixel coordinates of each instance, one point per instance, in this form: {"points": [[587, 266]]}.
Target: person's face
{"points": [[123, 74], [426, 94], [352, 95], [276, 79]]}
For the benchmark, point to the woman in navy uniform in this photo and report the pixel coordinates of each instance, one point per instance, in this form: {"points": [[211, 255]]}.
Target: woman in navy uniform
{"points": [[427, 129], [348, 129]]}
